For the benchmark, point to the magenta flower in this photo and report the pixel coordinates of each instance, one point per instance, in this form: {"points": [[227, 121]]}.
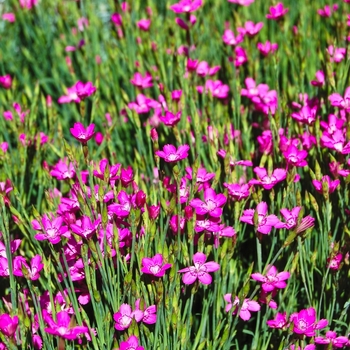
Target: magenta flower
{"points": [[170, 119], [131, 344], [295, 157], [171, 155], [142, 82], [290, 217], [144, 24], [265, 222], [268, 181], [333, 123], [20, 264], [62, 327], [336, 141], [81, 133], [320, 79], [279, 322], [334, 261], [332, 185], [331, 338], [272, 280], [52, 229], [124, 316], [242, 2], [211, 205], [84, 227], [250, 28], [9, 116], [6, 81], [112, 170], [10, 17], [247, 306], [8, 324], [78, 92], [154, 266], [238, 192], [240, 56], [62, 170], [149, 313], [342, 102], [267, 48], [277, 12], [28, 4], [336, 54], [305, 115], [186, 6], [305, 323], [327, 10], [123, 207], [199, 270], [230, 39]]}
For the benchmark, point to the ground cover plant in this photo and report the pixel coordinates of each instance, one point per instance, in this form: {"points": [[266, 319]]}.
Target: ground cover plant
{"points": [[174, 175]]}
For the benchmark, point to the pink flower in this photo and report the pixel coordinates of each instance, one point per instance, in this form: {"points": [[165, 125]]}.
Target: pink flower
{"points": [[250, 28], [265, 222], [277, 12], [211, 205], [331, 338], [320, 79], [342, 102], [272, 280], [332, 185], [62, 327], [9, 116], [123, 207], [20, 264], [295, 157], [335, 141], [8, 325], [52, 229], [144, 24], [336, 54], [154, 266], [240, 56], [170, 119], [142, 82], [6, 81], [267, 48], [268, 181], [116, 18], [279, 322], [28, 3], [131, 344], [238, 191], [327, 10], [305, 323], [84, 227], [78, 92], [265, 142], [199, 270], [149, 313], [244, 311], [124, 316], [10, 17], [334, 262], [186, 6], [63, 170], [81, 133], [171, 155], [242, 2], [229, 38], [305, 115]]}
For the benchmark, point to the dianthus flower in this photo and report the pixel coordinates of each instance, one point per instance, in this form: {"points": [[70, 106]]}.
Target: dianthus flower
{"points": [[199, 270], [154, 266], [272, 280], [171, 155], [246, 306]]}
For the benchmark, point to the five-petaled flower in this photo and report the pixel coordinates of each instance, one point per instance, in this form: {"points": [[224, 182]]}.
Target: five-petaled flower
{"points": [[245, 308], [264, 222], [199, 270], [211, 205], [171, 155], [154, 266], [272, 279], [81, 133]]}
